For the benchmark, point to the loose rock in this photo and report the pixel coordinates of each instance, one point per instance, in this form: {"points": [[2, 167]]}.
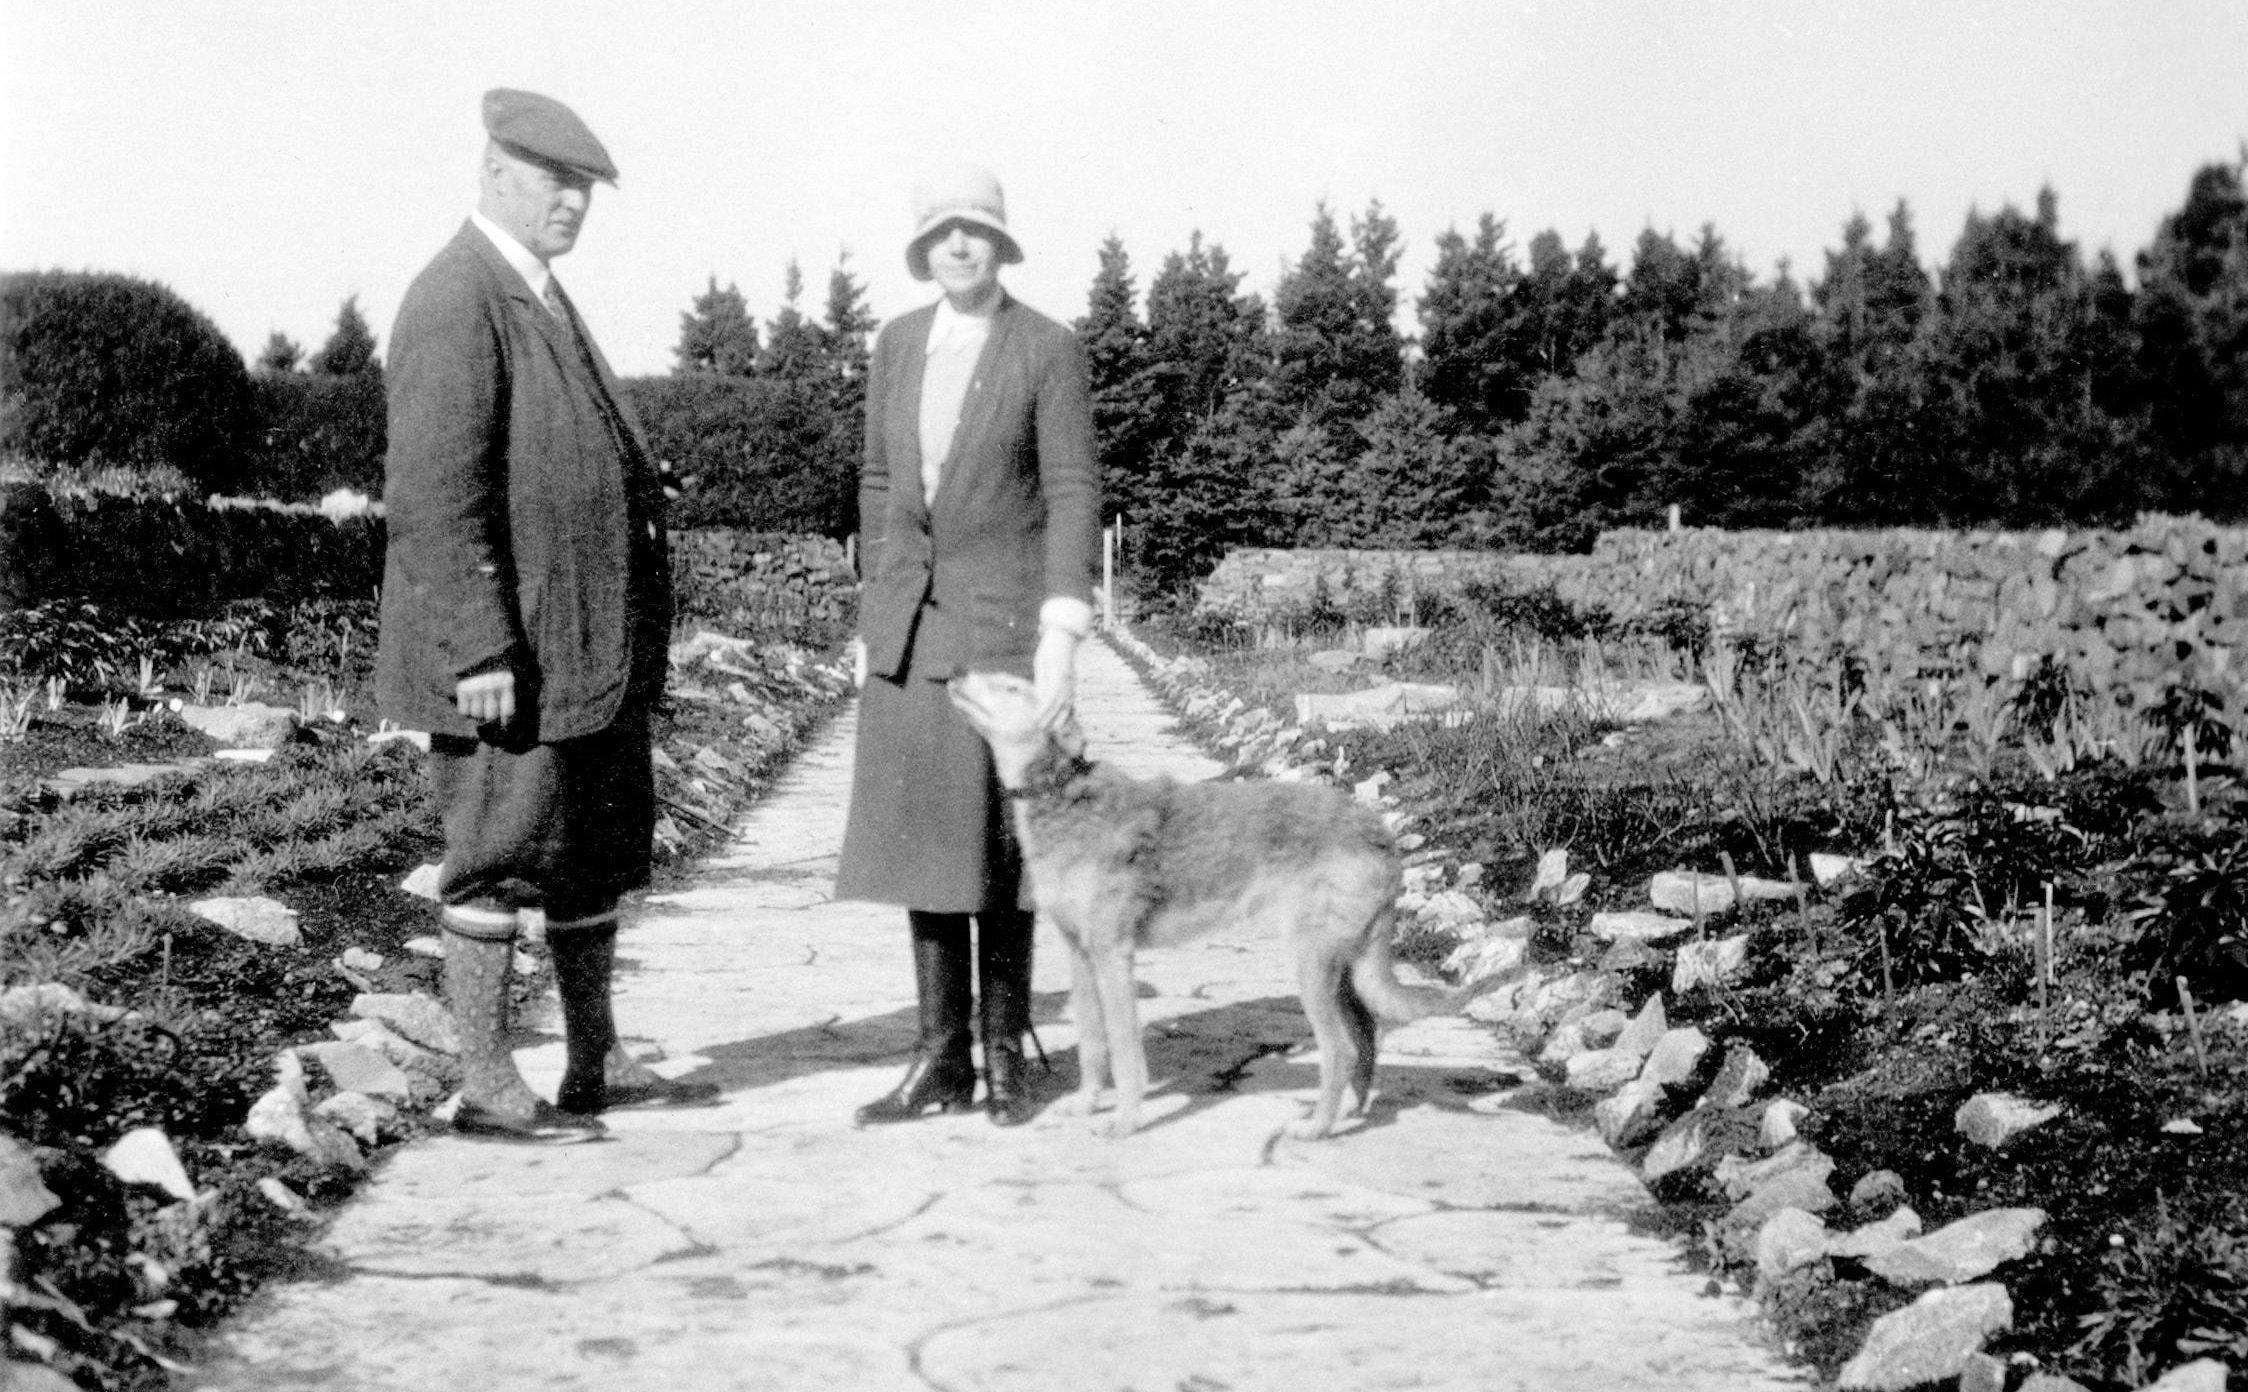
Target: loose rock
{"points": [[1630, 1115], [422, 882], [416, 1016], [1877, 1191], [1961, 1251], [256, 917], [1602, 1070], [1930, 1339], [24, 1195], [1711, 963], [357, 1068], [1789, 1238], [1675, 1056], [1738, 1078], [1804, 1188], [251, 725], [1994, 1118], [1779, 1121], [1901, 1226], [1638, 926], [1689, 891], [144, 1155], [26, 1006], [2201, 1375], [366, 1118], [1646, 1028]]}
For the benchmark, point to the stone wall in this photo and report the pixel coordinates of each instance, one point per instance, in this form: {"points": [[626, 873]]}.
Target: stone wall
{"points": [[2131, 612], [774, 584]]}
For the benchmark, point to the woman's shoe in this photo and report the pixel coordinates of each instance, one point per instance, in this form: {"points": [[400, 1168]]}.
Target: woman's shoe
{"points": [[1007, 1096], [946, 1082]]}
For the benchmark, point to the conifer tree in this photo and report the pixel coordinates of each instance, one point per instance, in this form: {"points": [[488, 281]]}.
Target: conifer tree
{"points": [[847, 327], [2190, 320], [1477, 356], [793, 348], [280, 354], [1336, 350], [1127, 407], [351, 348], [716, 334]]}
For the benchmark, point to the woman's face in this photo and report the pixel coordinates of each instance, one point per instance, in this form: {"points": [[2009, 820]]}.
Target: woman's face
{"points": [[964, 262]]}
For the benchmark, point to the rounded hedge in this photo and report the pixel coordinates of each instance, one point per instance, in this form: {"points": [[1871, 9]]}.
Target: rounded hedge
{"points": [[97, 368]]}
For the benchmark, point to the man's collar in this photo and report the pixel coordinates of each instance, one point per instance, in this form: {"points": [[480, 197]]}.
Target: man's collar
{"points": [[533, 270]]}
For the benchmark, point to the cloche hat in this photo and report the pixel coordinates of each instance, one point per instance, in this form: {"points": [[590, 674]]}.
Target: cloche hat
{"points": [[962, 193]]}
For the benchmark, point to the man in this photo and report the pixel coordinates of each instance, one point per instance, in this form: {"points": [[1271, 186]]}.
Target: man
{"points": [[525, 614]]}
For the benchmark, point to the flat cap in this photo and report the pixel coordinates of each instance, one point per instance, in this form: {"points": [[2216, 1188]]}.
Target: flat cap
{"points": [[543, 129]]}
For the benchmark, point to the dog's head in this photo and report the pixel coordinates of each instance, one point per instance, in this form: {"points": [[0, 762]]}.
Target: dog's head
{"points": [[1004, 710]]}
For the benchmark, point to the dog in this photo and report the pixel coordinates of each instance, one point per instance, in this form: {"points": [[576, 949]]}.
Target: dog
{"points": [[1119, 864]]}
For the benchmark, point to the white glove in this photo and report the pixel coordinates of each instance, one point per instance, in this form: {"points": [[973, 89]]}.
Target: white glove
{"points": [[1053, 672], [858, 663]]}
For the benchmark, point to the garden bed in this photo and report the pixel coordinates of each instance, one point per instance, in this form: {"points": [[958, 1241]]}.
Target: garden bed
{"points": [[1880, 1002], [121, 1009]]}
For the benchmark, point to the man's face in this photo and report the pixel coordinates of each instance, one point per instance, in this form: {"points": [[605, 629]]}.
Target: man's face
{"points": [[540, 206], [964, 262]]}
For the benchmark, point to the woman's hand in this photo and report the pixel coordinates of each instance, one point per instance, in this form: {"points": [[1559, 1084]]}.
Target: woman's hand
{"points": [[1053, 673], [858, 663]]}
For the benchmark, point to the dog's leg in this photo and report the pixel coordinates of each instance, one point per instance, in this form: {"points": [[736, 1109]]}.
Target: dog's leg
{"points": [[1365, 1036], [1320, 976], [1092, 1039], [1111, 962]]}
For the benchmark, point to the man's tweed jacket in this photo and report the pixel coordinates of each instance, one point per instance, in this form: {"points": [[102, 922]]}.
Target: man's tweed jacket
{"points": [[525, 517]]}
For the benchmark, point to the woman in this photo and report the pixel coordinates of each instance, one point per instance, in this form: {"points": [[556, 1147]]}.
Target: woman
{"points": [[979, 524]]}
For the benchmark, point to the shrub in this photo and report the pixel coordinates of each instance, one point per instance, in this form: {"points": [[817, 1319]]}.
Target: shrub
{"points": [[760, 454], [98, 368], [318, 434]]}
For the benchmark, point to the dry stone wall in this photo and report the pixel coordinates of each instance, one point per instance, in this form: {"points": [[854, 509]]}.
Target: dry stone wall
{"points": [[2130, 612], [776, 582]]}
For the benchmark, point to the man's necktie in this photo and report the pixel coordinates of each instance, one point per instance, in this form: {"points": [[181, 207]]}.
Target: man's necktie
{"points": [[554, 300]]}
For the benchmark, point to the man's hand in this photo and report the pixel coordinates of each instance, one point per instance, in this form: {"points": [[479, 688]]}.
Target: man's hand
{"points": [[1053, 672], [488, 698]]}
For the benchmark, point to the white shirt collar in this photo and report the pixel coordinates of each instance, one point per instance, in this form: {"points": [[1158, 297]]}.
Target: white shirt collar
{"points": [[951, 327], [534, 271]]}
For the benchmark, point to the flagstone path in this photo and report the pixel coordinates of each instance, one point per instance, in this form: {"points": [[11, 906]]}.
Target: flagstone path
{"points": [[1450, 1240]]}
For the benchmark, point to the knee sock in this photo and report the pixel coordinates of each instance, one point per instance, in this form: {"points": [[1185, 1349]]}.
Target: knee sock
{"points": [[479, 954], [584, 964]]}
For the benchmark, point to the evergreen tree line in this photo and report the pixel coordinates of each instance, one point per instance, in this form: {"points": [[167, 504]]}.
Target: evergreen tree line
{"points": [[1551, 395], [762, 430]]}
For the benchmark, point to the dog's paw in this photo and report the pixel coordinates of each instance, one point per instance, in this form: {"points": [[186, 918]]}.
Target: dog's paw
{"points": [[1312, 1130], [1117, 1127], [1080, 1103]]}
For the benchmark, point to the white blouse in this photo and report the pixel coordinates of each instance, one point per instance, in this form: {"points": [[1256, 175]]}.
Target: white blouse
{"points": [[956, 340]]}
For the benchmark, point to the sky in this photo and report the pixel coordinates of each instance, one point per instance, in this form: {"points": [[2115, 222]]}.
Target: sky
{"points": [[266, 160]]}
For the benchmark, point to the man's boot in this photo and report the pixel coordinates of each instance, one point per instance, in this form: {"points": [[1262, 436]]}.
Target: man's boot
{"points": [[597, 1074], [495, 1102], [943, 1071], [1003, 938]]}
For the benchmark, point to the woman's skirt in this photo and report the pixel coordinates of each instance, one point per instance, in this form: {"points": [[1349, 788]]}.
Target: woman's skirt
{"points": [[928, 826]]}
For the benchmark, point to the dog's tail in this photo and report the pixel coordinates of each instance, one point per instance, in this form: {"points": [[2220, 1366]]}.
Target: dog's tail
{"points": [[1374, 976]]}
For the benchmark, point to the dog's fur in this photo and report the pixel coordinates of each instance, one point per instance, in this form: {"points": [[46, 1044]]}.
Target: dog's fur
{"points": [[1119, 864]]}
